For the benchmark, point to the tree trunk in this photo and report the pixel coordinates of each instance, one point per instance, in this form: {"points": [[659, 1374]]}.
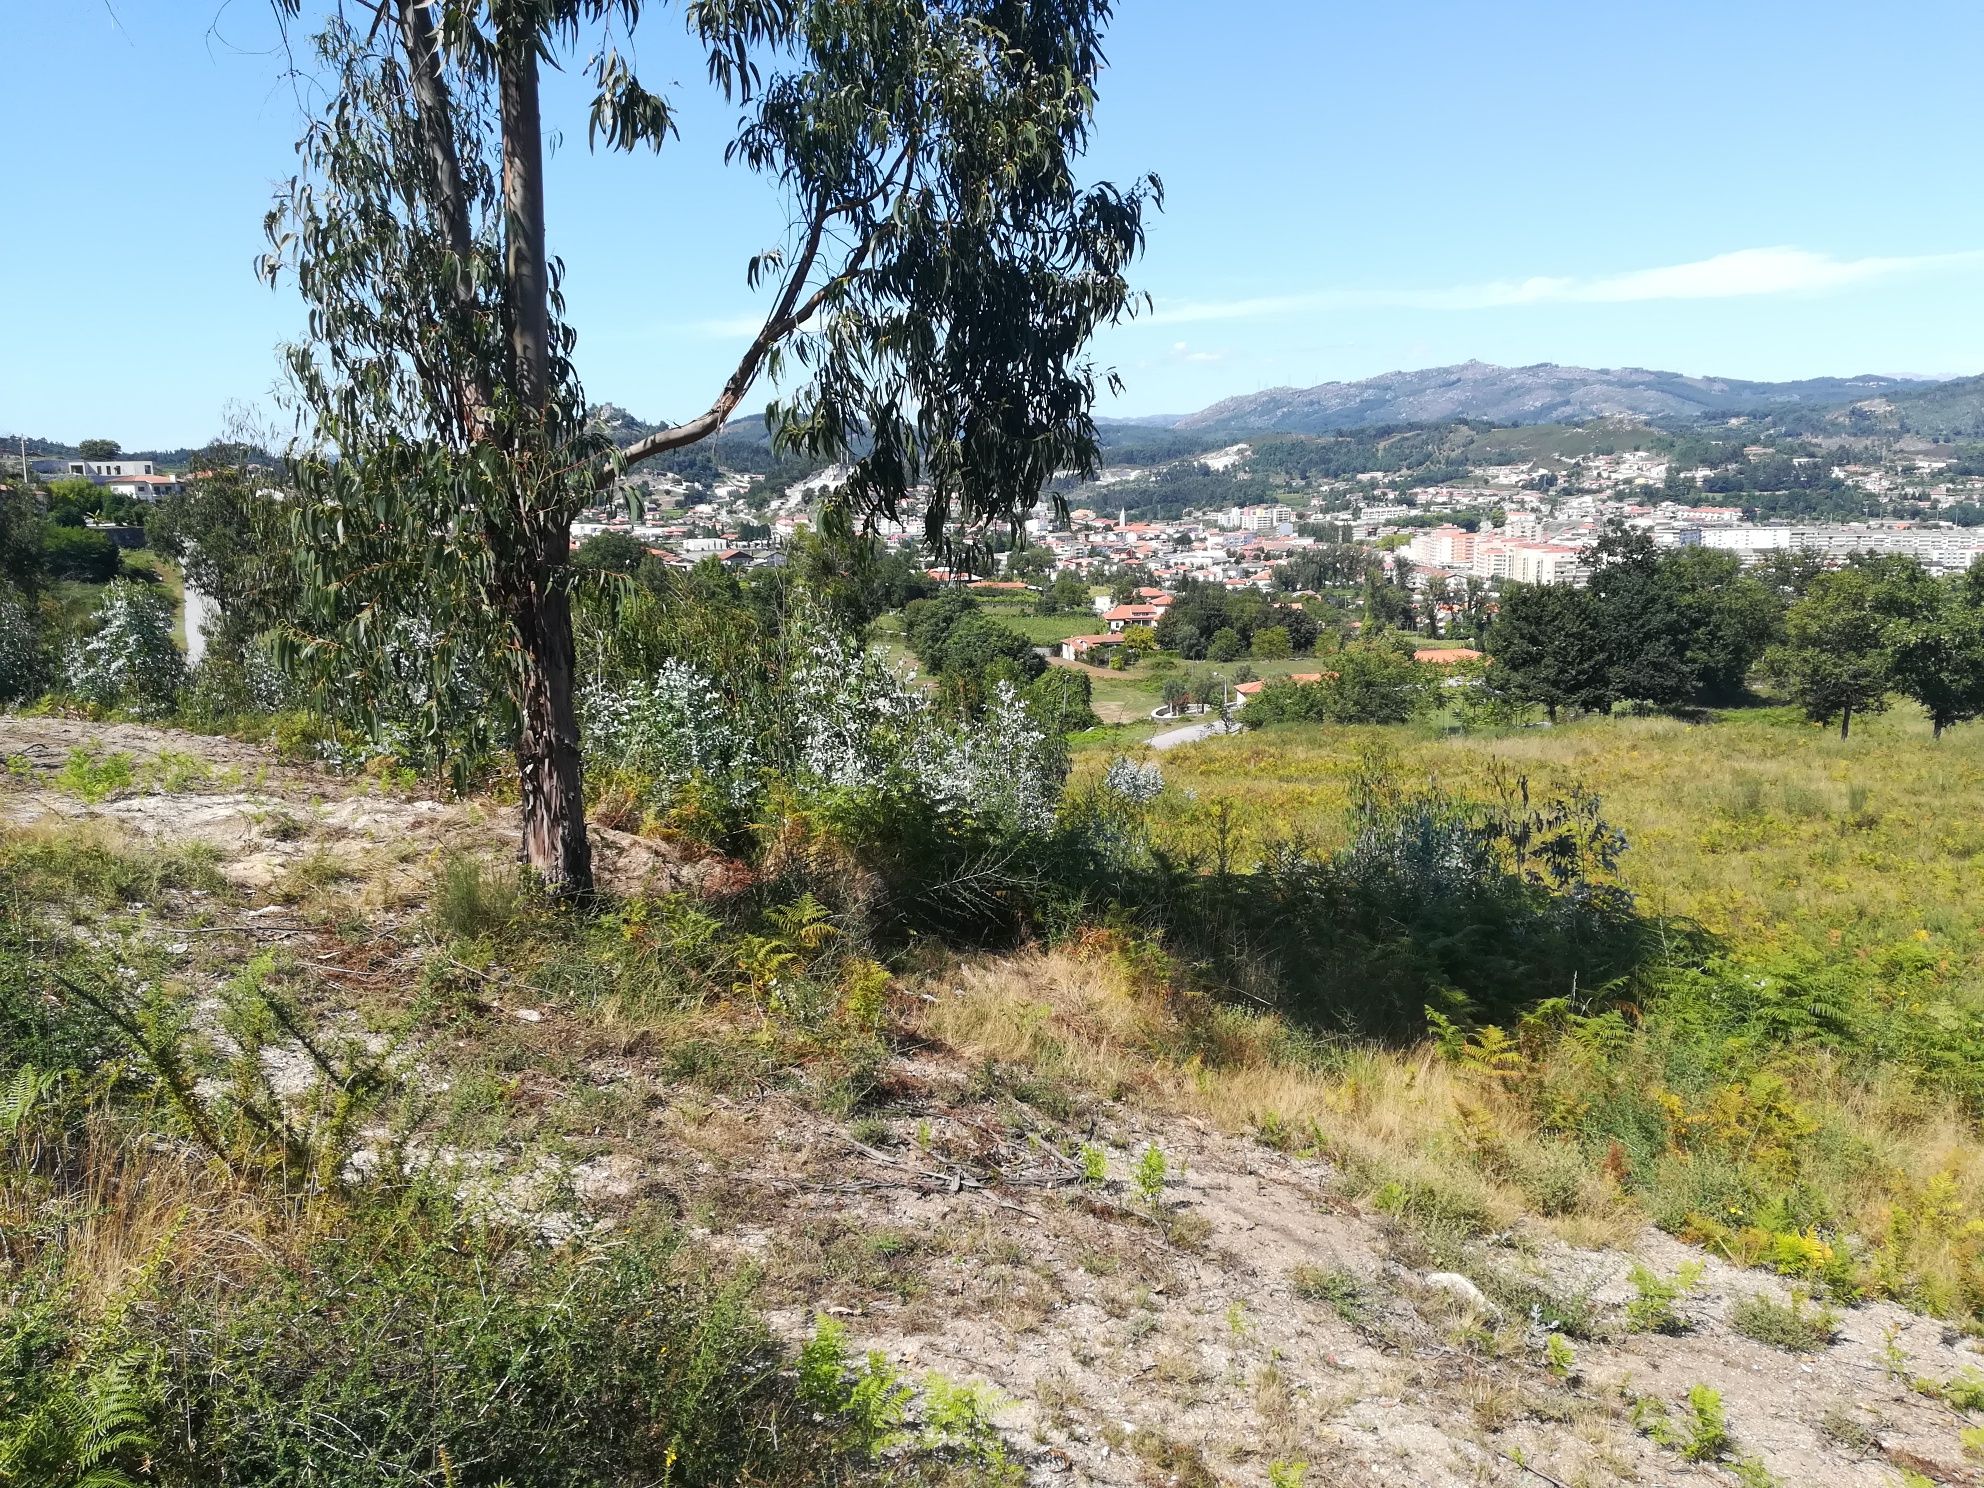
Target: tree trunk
{"points": [[527, 277], [548, 761], [1845, 720]]}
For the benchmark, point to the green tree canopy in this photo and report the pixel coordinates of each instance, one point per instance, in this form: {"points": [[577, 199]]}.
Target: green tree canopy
{"points": [[1842, 646], [1549, 648]]}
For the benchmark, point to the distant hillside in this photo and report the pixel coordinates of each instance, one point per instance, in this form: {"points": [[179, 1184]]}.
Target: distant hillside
{"points": [[1543, 394], [1933, 410]]}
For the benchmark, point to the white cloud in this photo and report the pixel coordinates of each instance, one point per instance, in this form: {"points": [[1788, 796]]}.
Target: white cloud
{"points": [[1745, 272], [1182, 351]]}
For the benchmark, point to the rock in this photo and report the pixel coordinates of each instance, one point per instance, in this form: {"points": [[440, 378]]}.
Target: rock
{"points": [[1462, 1290]]}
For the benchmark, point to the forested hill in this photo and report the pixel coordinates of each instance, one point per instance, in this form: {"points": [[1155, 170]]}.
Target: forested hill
{"points": [[1544, 393]]}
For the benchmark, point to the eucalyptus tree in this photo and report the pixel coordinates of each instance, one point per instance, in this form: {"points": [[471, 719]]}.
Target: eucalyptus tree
{"points": [[929, 309]]}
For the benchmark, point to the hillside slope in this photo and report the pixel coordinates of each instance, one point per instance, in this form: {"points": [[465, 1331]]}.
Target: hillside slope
{"points": [[987, 1204], [1540, 394]]}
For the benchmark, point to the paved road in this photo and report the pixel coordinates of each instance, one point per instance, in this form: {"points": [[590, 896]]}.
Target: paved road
{"points": [[1192, 733]]}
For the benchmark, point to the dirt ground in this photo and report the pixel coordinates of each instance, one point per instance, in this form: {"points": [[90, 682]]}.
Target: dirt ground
{"points": [[1180, 1340]]}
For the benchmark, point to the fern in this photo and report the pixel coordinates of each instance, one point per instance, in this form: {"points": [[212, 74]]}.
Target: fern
{"points": [[24, 1093], [84, 1430]]}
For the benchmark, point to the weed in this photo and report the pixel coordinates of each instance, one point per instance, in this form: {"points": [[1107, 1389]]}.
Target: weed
{"points": [[870, 1399], [1149, 1174], [1559, 1357], [1094, 1164], [1652, 1308], [1287, 1474], [1841, 1426], [472, 902], [1791, 1326], [89, 778], [172, 772], [1701, 1436], [957, 1420], [1339, 1288]]}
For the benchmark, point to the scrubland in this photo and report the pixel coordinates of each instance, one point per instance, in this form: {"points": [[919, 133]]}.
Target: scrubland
{"points": [[335, 1155]]}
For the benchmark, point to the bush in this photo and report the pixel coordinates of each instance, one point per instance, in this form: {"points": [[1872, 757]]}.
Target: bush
{"points": [[1225, 645], [445, 1353], [1793, 1326], [79, 554], [130, 662], [1060, 698], [25, 663], [1273, 643]]}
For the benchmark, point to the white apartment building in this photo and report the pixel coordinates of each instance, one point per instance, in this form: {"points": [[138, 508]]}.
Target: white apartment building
{"points": [[103, 471], [1943, 549], [1255, 518], [1442, 547]]}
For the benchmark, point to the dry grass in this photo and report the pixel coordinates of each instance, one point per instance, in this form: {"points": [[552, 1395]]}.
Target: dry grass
{"points": [[1434, 1141], [127, 1211], [1388, 1118]]}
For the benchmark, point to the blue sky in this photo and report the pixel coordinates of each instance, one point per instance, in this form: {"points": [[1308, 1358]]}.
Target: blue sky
{"points": [[1749, 189]]}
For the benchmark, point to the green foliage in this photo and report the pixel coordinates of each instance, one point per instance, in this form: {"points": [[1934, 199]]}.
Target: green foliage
{"points": [[472, 901], [1339, 1288], [1200, 615], [673, 1378], [957, 1421], [1661, 628], [869, 1400], [1094, 1164], [1843, 640], [1061, 698], [70, 1424], [90, 777], [1365, 683], [1549, 648], [1149, 1174], [1701, 1436], [1271, 643], [1652, 1308], [1791, 1326], [129, 662], [26, 654], [1559, 1357], [79, 554]]}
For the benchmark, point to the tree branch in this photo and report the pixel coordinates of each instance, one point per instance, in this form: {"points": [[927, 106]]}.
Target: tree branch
{"points": [[786, 316]]}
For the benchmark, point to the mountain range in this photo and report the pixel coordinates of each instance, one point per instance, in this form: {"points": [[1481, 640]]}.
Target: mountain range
{"points": [[1547, 393]]}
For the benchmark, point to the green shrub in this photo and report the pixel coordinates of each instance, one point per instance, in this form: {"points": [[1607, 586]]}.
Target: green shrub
{"points": [[129, 661], [472, 901], [79, 555], [1793, 1326], [443, 1352], [1652, 1307], [1339, 1288]]}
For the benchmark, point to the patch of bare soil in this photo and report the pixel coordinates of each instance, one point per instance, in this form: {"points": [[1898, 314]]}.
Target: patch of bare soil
{"points": [[1245, 1318]]}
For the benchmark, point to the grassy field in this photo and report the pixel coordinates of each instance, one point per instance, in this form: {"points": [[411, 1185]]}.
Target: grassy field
{"points": [[1792, 1084], [1766, 830]]}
